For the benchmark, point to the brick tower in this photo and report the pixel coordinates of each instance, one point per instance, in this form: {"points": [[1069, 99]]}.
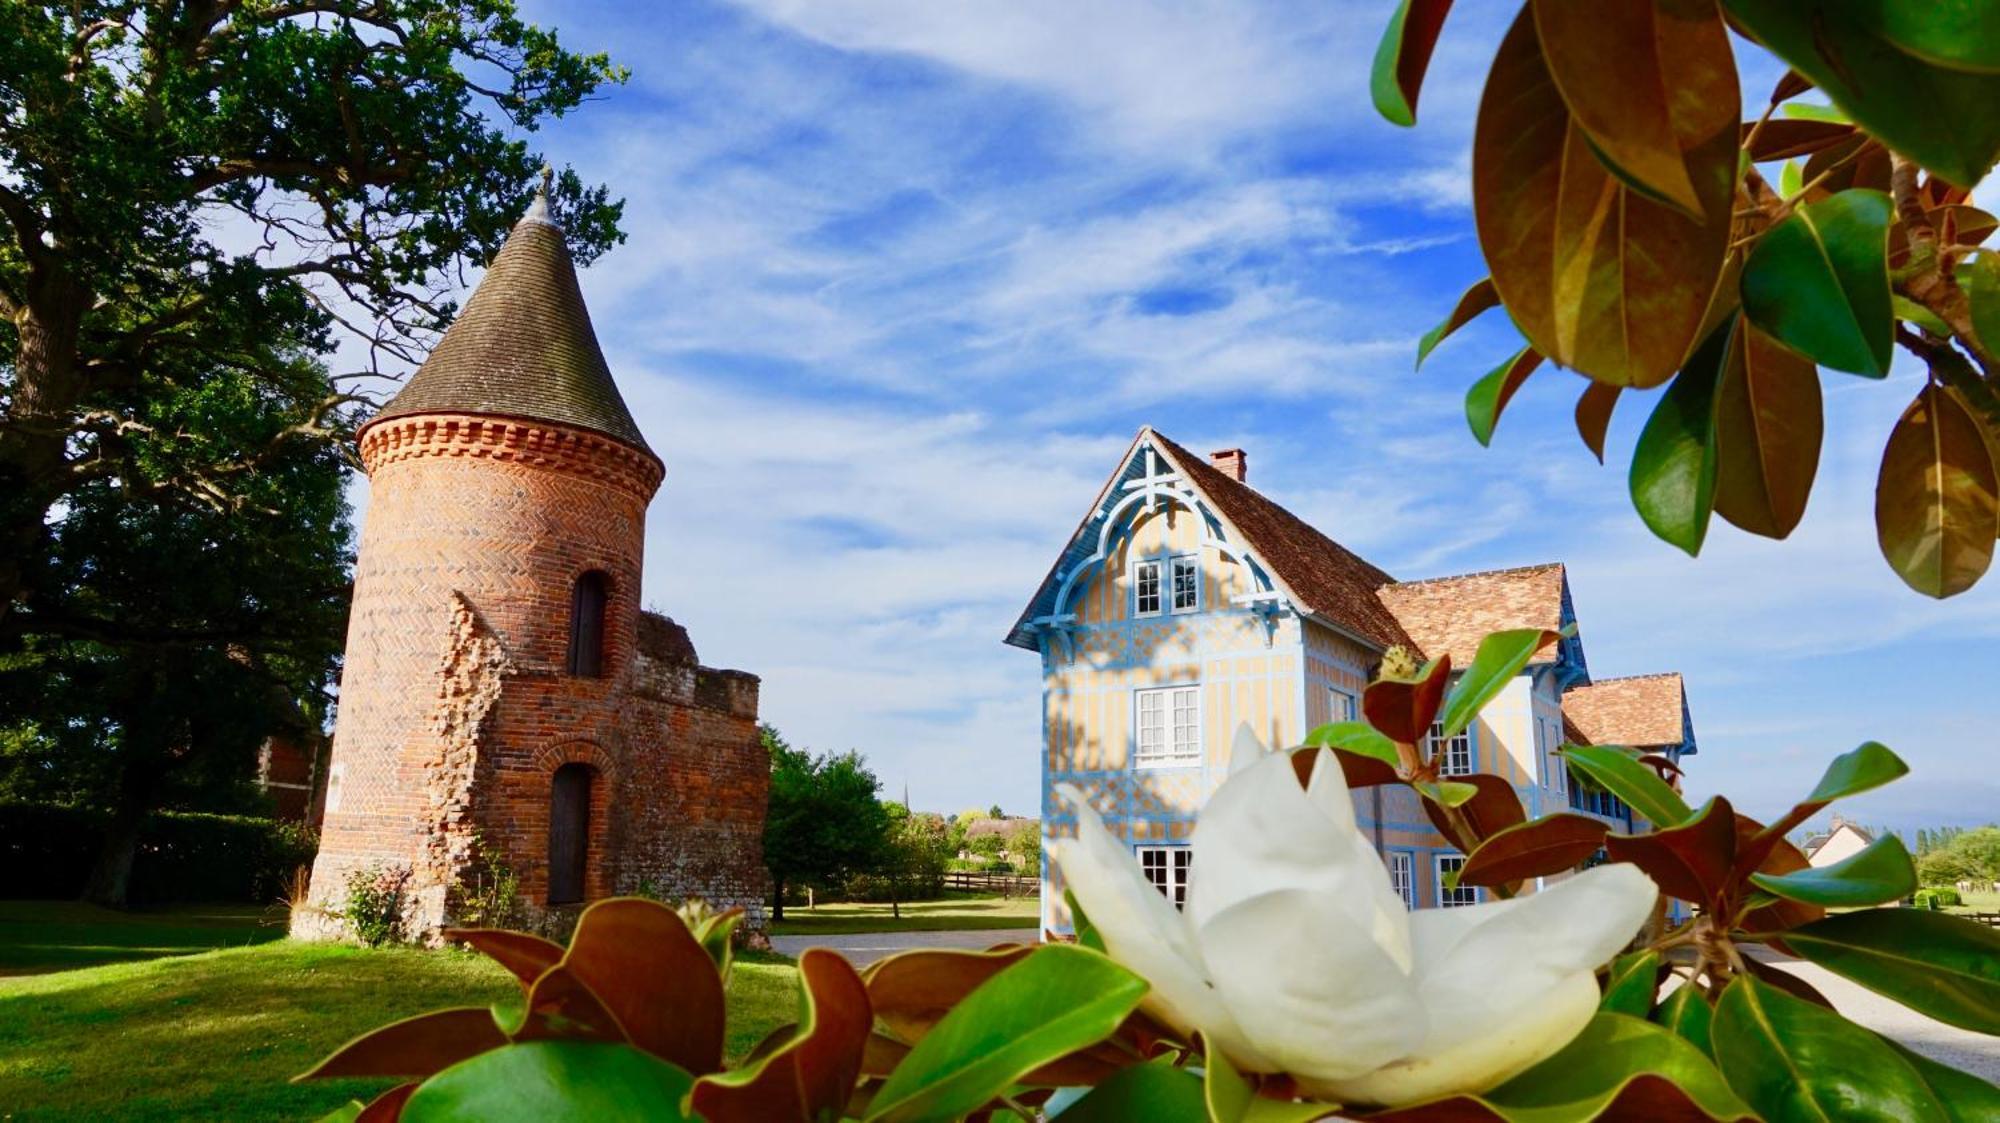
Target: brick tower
{"points": [[504, 702]]}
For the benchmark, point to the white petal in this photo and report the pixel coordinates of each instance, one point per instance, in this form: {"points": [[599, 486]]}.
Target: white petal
{"points": [[1500, 981], [1262, 833], [1142, 930], [1311, 990], [1246, 750], [1480, 1063]]}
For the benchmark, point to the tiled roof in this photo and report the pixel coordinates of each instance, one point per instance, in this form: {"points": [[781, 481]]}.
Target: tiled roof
{"points": [[1450, 615], [1329, 580], [1641, 711], [523, 347]]}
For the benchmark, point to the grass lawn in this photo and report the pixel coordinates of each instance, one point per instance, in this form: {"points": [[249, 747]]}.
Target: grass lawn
{"points": [[216, 1034], [38, 936], [1978, 901], [951, 915]]}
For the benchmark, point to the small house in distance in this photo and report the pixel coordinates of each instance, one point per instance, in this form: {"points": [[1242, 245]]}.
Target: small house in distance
{"points": [[1186, 602], [1841, 841]]}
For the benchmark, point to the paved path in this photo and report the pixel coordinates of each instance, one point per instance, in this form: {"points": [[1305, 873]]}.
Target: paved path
{"points": [[867, 947], [1959, 1048]]}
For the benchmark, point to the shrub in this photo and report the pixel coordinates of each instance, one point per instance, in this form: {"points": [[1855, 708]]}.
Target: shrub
{"points": [[46, 851], [1938, 898], [374, 906]]}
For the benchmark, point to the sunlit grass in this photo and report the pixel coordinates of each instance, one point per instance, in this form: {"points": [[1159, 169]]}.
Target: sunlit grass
{"points": [[951, 915], [217, 1035]]}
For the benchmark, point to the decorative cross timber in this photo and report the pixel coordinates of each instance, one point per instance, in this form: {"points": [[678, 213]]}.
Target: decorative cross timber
{"points": [[1156, 481]]}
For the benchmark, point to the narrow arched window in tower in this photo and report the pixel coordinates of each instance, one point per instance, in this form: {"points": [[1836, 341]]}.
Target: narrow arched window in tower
{"points": [[586, 625], [569, 833]]}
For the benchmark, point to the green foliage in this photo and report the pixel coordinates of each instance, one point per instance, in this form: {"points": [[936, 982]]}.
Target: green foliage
{"points": [[825, 819], [1642, 227], [47, 851], [1942, 897], [373, 904], [1959, 855], [558, 1081]]}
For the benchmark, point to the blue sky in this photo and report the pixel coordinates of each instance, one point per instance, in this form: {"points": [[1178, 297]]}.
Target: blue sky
{"points": [[903, 278]]}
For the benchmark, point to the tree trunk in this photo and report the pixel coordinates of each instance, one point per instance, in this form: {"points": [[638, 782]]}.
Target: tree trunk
{"points": [[110, 881], [37, 428]]}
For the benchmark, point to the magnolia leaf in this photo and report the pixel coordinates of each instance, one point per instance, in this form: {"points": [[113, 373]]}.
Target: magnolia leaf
{"points": [[1404, 710], [1790, 86], [1959, 36], [416, 1046], [561, 1008], [1593, 415], [1402, 57], [1551, 844], [1619, 1067], [1880, 872], [1229, 1098], [1633, 981], [1446, 792], [911, 991], [1791, 181], [345, 1113], [1056, 1000], [1495, 808], [1936, 512], [1614, 770], [1786, 981], [1864, 768], [1937, 964], [1500, 657], [1356, 737], [1761, 850], [1790, 1059], [1141, 1091], [813, 1075], [1780, 139], [1768, 430], [1694, 861], [1491, 393], [1819, 282], [1365, 770], [1608, 62], [1942, 118], [1965, 1097], [1981, 281], [554, 1082], [388, 1107], [1087, 934], [1598, 276], [523, 955], [1687, 1013], [1911, 312], [1476, 299], [1822, 114], [1674, 467], [643, 963]]}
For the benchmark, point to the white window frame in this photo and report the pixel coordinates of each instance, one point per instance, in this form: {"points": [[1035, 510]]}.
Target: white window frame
{"points": [[1174, 866], [1172, 589], [1342, 705], [1447, 755], [1139, 569], [1174, 750], [1452, 898], [1403, 875]]}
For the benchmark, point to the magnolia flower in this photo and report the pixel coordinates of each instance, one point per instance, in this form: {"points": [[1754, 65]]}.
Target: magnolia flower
{"points": [[1295, 955]]}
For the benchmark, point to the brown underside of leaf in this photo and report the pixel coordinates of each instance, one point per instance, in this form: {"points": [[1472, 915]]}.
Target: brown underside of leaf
{"points": [[1548, 845], [649, 971], [525, 956], [1599, 277], [1693, 861], [418, 1046], [1768, 428], [1936, 513]]}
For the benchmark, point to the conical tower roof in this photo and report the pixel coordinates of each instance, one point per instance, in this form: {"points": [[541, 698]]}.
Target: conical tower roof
{"points": [[523, 346]]}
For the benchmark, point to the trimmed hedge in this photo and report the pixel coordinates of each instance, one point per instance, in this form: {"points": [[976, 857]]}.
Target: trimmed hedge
{"points": [[1939, 898], [47, 851]]}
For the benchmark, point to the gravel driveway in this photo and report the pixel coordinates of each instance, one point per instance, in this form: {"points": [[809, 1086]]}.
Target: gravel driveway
{"points": [[867, 947]]}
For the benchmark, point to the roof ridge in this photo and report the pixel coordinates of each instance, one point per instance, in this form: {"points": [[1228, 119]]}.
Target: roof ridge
{"points": [[1483, 573], [1596, 681]]}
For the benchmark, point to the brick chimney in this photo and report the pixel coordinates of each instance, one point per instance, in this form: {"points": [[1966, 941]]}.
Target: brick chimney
{"points": [[1232, 462]]}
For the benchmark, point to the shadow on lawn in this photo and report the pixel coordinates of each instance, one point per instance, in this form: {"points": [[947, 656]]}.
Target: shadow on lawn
{"points": [[37, 937]]}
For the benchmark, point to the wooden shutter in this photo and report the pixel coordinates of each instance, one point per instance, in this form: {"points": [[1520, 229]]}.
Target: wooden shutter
{"points": [[569, 833]]}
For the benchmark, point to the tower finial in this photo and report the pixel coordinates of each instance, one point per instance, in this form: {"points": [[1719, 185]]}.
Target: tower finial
{"points": [[538, 210]]}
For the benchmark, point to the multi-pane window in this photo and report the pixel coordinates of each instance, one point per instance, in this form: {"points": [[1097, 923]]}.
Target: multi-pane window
{"points": [[1402, 877], [1146, 588], [1167, 867], [1448, 864], [1454, 754], [1187, 584], [1345, 707], [1169, 723]]}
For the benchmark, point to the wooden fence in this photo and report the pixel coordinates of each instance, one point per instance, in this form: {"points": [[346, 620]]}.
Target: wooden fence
{"points": [[1000, 884]]}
